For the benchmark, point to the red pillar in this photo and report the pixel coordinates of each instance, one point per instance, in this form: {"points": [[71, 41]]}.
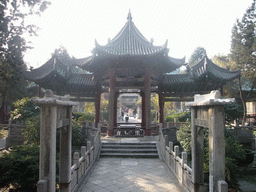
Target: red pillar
{"points": [[161, 108], [143, 110], [97, 108], [115, 111], [148, 104], [111, 116]]}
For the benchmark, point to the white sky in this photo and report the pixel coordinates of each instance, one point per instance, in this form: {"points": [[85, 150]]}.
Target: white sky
{"points": [[186, 24]]}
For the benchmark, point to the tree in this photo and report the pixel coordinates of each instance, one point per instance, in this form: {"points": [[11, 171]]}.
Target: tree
{"points": [[13, 45], [198, 54], [243, 53]]}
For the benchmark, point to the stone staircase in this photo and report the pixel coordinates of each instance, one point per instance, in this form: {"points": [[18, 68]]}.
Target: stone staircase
{"points": [[129, 149]]}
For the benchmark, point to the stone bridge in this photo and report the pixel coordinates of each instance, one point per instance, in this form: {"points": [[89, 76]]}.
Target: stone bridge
{"points": [[163, 168]]}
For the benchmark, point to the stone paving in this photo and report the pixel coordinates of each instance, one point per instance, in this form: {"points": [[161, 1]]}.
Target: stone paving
{"points": [[128, 174]]}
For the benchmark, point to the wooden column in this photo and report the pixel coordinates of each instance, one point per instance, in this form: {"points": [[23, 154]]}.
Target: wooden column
{"points": [[111, 104], [97, 109], [161, 108], [143, 109], [115, 110], [148, 104]]}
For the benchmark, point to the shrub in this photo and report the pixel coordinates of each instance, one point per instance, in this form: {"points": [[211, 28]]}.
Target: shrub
{"points": [[184, 136], [233, 153], [181, 117], [20, 168], [86, 117], [153, 114], [24, 109], [233, 111]]}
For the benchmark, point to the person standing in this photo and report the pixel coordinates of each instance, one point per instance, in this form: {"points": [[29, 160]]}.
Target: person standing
{"points": [[122, 114]]}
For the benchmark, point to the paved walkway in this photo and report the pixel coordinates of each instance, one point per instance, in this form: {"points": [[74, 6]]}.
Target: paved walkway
{"points": [[127, 174]]}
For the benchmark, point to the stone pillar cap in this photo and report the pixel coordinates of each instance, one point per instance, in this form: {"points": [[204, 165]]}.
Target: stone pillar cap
{"points": [[51, 99], [213, 98]]}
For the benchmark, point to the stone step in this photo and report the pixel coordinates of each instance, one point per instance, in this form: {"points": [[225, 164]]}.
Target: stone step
{"points": [[138, 155], [129, 149], [107, 150], [128, 146], [129, 143]]}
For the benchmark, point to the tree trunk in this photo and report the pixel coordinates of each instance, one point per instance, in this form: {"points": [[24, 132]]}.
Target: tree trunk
{"points": [[2, 109], [245, 98]]}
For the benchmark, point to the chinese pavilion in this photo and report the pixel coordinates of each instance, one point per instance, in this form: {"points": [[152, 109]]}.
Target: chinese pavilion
{"points": [[130, 61]]}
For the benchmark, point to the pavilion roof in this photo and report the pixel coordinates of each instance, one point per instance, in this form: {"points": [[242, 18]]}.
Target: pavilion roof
{"points": [[130, 44], [60, 77], [202, 77], [129, 41], [205, 67]]}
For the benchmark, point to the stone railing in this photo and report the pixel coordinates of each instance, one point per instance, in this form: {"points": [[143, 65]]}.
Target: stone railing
{"points": [[83, 164], [171, 157]]}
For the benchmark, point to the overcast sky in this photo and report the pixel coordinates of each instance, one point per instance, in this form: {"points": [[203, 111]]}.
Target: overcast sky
{"points": [[186, 24]]}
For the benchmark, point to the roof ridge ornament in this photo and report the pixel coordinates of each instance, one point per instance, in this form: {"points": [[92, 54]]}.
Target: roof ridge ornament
{"points": [[129, 18]]}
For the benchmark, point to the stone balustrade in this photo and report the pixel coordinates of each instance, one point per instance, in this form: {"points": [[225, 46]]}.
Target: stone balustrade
{"points": [[83, 164], [170, 155]]}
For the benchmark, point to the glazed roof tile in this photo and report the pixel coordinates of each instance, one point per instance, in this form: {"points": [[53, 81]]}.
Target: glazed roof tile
{"points": [[206, 67], [54, 64], [129, 41], [82, 79]]}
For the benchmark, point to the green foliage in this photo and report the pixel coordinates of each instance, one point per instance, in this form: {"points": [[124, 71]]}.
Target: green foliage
{"points": [[243, 55], [153, 114], [78, 137], [77, 115], [233, 111], [233, 153], [24, 109], [28, 113], [13, 14], [181, 117], [89, 107], [196, 56], [86, 117], [20, 168], [31, 130], [184, 136], [104, 108]]}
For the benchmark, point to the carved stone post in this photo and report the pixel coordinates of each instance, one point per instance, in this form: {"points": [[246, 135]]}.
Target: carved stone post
{"points": [[47, 162], [65, 152], [207, 111], [56, 113]]}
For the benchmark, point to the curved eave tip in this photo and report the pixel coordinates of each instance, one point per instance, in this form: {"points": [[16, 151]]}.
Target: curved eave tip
{"points": [[96, 43], [166, 43]]}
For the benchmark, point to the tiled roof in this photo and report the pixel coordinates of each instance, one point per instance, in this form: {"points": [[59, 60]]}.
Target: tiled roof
{"points": [[129, 41], [177, 79], [54, 64], [130, 45], [205, 67], [82, 79]]}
